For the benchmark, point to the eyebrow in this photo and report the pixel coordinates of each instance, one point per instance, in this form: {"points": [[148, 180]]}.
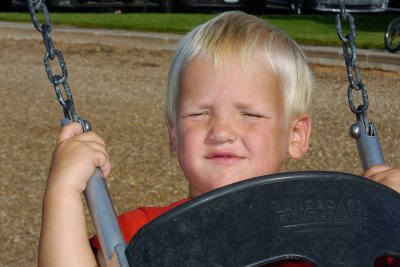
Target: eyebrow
{"points": [[186, 104], [243, 105]]}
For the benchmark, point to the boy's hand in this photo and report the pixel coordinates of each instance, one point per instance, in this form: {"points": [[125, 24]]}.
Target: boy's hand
{"points": [[63, 239], [75, 158], [384, 174]]}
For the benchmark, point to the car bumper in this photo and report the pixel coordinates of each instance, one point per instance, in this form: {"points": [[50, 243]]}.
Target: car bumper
{"points": [[325, 6]]}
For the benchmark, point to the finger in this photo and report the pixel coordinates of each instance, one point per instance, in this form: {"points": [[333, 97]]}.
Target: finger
{"points": [[76, 147], [377, 172], [391, 182], [105, 165], [82, 139], [90, 137], [87, 137], [102, 160], [101, 157], [386, 175], [69, 131]]}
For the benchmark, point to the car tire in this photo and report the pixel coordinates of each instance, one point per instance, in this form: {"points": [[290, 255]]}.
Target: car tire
{"points": [[392, 35], [5, 5]]}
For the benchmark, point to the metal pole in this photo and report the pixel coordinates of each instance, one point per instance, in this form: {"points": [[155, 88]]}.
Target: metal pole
{"points": [[103, 215], [368, 146]]}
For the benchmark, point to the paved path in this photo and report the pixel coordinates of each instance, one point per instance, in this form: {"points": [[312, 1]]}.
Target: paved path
{"points": [[366, 58]]}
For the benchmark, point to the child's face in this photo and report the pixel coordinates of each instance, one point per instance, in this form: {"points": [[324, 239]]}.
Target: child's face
{"points": [[230, 124]]}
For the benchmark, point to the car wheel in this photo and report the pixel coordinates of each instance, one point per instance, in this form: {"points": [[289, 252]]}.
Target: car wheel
{"points": [[392, 35], [166, 6], [5, 5]]}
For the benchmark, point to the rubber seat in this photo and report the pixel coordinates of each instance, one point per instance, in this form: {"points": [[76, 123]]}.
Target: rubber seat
{"points": [[328, 218]]}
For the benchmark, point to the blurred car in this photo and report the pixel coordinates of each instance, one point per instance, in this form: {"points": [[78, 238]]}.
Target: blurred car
{"points": [[294, 6], [163, 5], [255, 6], [357, 6], [394, 3]]}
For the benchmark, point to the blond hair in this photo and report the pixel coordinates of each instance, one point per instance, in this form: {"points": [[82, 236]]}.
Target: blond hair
{"points": [[245, 37]]}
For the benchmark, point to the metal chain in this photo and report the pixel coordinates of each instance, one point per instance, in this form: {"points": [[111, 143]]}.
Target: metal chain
{"points": [[59, 82], [96, 193], [353, 71]]}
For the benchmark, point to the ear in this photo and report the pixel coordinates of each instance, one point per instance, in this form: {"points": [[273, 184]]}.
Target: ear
{"points": [[299, 136], [172, 139]]}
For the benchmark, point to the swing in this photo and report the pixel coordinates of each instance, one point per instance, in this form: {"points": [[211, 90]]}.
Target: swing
{"points": [[326, 218], [329, 219]]}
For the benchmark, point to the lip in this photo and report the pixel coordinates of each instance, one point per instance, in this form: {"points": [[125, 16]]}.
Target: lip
{"points": [[224, 158]]}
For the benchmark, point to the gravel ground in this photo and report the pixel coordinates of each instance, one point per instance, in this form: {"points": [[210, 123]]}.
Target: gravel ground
{"points": [[120, 90]]}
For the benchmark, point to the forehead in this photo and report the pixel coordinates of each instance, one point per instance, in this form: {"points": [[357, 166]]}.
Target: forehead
{"points": [[246, 80], [232, 66]]}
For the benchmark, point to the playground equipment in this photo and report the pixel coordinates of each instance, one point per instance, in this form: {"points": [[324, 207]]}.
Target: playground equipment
{"points": [[392, 35], [97, 196], [327, 218]]}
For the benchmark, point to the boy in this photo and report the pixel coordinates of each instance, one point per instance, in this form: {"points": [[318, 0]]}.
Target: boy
{"points": [[237, 105]]}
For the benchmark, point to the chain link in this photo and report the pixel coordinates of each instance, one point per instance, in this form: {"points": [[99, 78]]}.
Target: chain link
{"points": [[353, 71], [59, 82]]}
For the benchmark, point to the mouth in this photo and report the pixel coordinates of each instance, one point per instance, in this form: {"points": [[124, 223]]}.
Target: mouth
{"points": [[224, 158]]}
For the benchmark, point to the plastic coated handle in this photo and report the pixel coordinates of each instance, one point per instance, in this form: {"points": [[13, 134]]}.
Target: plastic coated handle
{"points": [[103, 216]]}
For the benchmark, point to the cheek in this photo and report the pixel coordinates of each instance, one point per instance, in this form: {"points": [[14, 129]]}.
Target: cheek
{"points": [[189, 139], [267, 143], [189, 151]]}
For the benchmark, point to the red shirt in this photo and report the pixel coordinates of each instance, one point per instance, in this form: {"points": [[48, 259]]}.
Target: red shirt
{"points": [[131, 221]]}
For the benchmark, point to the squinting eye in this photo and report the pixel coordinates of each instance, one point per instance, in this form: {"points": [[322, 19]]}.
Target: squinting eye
{"points": [[252, 115], [198, 114]]}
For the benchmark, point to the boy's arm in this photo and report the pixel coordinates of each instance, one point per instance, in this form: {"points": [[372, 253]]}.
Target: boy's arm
{"points": [[384, 174], [63, 240]]}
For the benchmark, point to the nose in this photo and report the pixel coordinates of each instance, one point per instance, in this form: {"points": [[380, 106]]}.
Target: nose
{"points": [[221, 131]]}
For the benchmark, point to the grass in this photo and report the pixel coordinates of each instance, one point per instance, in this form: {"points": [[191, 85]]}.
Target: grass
{"points": [[321, 29], [317, 29]]}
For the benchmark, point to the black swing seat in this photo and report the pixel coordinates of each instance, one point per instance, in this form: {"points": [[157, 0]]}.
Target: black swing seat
{"points": [[327, 218]]}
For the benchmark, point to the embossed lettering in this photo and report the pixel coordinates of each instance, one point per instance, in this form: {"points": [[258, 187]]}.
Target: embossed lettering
{"points": [[320, 211]]}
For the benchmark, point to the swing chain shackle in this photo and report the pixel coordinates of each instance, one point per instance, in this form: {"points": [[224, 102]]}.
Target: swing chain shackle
{"points": [[59, 82], [363, 131]]}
